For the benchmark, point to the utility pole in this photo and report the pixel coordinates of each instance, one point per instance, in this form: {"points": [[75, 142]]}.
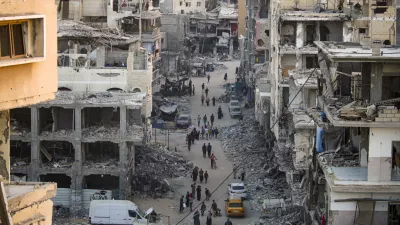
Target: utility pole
{"points": [[140, 20]]}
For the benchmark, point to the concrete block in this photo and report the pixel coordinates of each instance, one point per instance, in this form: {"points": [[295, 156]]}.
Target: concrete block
{"points": [[389, 115], [394, 111], [378, 119], [387, 111], [396, 119], [382, 115], [387, 119], [397, 115]]}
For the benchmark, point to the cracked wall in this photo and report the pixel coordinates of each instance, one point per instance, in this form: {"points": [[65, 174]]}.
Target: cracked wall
{"points": [[5, 144]]}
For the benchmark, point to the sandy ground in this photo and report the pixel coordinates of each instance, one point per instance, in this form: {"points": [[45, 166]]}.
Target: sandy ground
{"points": [[169, 208]]}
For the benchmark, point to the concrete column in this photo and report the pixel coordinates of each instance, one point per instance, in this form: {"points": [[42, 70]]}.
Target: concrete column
{"points": [[34, 122], [122, 122], [215, 50], [318, 31], [299, 61], [376, 82], [230, 47], [78, 123], [300, 35], [33, 173], [101, 57], [123, 169], [76, 199], [5, 145]]}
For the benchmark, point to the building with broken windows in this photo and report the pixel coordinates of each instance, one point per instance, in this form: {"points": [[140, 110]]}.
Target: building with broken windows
{"points": [[84, 139], [28, 71], [357, 166], [183, 6], [215, 31], [335, 59]]}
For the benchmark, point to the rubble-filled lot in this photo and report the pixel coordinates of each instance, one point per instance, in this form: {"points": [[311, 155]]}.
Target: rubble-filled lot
{"points": [[245, 142], [155, 164]]}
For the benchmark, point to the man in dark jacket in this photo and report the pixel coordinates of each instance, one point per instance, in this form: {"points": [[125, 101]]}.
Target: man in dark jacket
{"points": [[212, 119], [181, 205], [198, 189], [209, 150], [228, 222], [196, 218], [204, 148]]}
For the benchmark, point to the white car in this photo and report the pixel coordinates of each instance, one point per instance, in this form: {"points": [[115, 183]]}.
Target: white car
{"points": [[237, 190], [233, 104]]}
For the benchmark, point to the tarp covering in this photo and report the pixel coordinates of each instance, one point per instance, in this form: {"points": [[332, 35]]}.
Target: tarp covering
{"points": [[320, 137], [169, 109]]}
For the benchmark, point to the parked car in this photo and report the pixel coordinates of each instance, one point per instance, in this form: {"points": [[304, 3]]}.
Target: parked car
{"points": [[183, 121], [233, 104], [117, 212], [234, 207], [237, 190], [235, 112]]}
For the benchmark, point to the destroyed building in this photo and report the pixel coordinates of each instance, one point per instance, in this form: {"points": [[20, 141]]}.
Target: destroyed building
{"points": [[28, 43], [183, 6], [357, 165], [213, 32], [84, 140], [337, 59]]}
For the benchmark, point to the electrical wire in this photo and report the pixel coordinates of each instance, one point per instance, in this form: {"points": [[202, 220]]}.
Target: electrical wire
{"points": [[241, 162]]}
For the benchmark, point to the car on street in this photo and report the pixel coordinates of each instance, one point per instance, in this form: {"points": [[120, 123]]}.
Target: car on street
{"points": [[234, 207], [235, 112], [237, 190], [233, 104], [183, 121]]}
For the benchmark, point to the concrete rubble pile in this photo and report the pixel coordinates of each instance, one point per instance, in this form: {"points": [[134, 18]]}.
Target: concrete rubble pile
{"points": [[55, 134], [17, 129], [182, 102], [224, 98], [103, 131], [288, 216], [102, 162], [245, 142], [154, 166], [135, 130]]}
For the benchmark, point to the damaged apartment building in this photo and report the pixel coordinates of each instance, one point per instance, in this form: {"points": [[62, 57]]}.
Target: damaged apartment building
{"points": [[85, 139], [214, 32], [338, 59]]}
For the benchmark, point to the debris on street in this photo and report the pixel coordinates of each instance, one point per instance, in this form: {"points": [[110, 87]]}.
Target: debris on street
{"points": [[153, 166], [245, 142]]}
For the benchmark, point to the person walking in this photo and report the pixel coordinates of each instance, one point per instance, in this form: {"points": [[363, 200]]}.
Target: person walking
{"points": [[204, 148], [187, 198], [237, 70], [209, 132], [194, 175], [203, 131], [206, 133], [228, 222], [202, 99], [198, 189], [212, 119], [207, 91], [226, 76], [216, 132], [193, 90], [213, 100], [196, 218], [213, 158], [234, 171], [209, 218], [208, 78], [181, 205], [243, 172], [208, 194], [202, 87], [203, 208], [206, 176], [208, 101], [201, 175], [198, 120], [193, 190], [205, 119], [209, 148], [191, 203], [189, 142]]}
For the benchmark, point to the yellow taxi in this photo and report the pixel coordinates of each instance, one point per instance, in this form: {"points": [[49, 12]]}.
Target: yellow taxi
{"points": [[234, 207]]}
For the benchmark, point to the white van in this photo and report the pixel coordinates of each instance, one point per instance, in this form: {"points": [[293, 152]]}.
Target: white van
{"points": [[116, 212]]}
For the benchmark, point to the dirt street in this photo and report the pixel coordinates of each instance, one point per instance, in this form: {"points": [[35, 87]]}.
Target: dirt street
{"points": [[170, 207]]}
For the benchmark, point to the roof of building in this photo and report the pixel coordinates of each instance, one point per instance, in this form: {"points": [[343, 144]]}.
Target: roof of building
{"points": [[104, 99], [228, 12], [354, 52], [313, 16], [75, 29]]}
